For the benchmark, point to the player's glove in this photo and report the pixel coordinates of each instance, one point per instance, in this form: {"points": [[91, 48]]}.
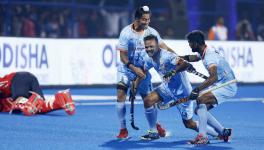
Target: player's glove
{"points": [[194, 94], [168, 75]]}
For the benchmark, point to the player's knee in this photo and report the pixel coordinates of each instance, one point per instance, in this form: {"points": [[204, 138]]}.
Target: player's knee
{"points": [[147, 102], [190, 124], [121, 96], [121, 86], [208, 99], [200, 100], [121, 92]]}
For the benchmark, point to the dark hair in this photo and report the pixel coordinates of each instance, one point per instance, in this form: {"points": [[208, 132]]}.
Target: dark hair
{"points": [[151, 37], [196, 36], [142, 10]]}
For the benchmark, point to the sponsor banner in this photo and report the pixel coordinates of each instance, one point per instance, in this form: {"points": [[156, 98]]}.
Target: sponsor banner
{"points": [[95, 61], [60, 61]]}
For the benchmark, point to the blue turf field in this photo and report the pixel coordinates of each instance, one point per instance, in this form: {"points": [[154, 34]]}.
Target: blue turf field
{"points": [[95, 126]]}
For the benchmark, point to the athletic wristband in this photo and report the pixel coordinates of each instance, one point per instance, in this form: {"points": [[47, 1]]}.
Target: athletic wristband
{"points": [[128, 64]]}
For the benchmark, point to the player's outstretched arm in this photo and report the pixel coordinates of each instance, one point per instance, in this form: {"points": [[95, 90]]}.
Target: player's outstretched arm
{"points": [[191, 58]]}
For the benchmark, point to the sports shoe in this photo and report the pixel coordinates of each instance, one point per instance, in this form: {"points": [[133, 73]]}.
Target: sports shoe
{"points": [[200, 139], [161, 131], [69, 105], [123, 134], [151, 135], [226, 135]]}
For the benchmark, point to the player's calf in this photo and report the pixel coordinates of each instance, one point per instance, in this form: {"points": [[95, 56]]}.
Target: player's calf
{"points": [[151, 99]]}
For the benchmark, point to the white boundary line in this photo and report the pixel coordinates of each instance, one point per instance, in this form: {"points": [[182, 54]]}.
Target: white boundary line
{"points": [[139, 103], [85, 100], [103, 103], [89, 97], [244, 99]]}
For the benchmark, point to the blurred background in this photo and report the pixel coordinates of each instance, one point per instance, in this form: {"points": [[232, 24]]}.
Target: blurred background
{"points": [[219, 19], [72, 44]]}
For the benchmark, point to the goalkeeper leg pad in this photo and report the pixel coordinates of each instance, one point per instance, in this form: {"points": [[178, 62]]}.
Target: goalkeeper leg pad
{"points": [[29, 106], [64, 100]]}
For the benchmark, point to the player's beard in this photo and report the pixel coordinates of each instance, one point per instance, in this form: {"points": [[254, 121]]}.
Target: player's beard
{"points": [[143, 26], [152, 52], [194, 46], [195, 50]]}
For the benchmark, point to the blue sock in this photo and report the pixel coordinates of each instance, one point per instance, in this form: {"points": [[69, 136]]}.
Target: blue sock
{"points": [[156, 114], [151, 115], [209, 130], [214, 123], [202, 115], [121, 113]]}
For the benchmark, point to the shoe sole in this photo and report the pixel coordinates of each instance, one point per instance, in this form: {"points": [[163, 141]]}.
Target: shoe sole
{"points": [[122, 138], [192, 143]]}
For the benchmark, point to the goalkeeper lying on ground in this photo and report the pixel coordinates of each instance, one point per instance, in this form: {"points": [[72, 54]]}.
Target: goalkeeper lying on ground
{"points": [[21, 91]]}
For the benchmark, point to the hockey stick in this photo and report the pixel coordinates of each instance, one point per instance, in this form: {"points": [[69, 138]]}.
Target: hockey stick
{"points": [[197, 73], [132, 97], [185, 99]]}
